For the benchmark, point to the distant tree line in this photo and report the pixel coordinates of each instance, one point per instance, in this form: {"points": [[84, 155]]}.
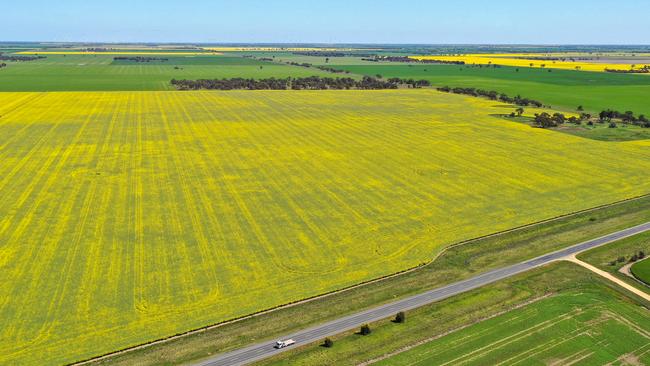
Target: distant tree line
{"points": [[643, 70], [308, 83], [411, 60], [331, 54], [324, 68], [19, 58], [139, 59], [493, 95]]}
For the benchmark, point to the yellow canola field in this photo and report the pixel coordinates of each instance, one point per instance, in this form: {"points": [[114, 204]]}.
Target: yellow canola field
{"points": [[527, 60], [131, 216]]}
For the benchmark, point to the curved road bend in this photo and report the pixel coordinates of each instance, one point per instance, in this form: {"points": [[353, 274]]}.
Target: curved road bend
{"points": [[263, 350]]}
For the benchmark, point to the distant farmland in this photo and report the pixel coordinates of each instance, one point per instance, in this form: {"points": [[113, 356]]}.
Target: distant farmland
{"points": [[99, 72], [130, 216]]}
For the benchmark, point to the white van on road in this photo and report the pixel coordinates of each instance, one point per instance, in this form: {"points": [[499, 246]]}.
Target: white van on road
{"points": [[282, 344]]}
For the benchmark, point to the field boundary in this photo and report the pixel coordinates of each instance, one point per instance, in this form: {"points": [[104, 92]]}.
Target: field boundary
{"points": [[361, 284]]}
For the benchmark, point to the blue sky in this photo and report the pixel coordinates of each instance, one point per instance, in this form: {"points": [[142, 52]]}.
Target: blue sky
{"points": [[329, 21]]}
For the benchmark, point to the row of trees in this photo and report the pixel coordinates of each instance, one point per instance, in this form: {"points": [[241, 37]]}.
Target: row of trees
{"points": [[643, 70], [493, 95], [308, 83], [545, 120], [365, 329], [324, 68], [139, 59], [634, 258], [609, 115], [19, 58], [411, 60]]}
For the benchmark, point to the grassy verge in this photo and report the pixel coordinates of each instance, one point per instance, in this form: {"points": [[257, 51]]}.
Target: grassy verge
{"points": [[611, 258], [551, 292], [456, 263]]}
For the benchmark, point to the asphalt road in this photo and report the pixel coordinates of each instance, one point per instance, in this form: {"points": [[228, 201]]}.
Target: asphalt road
{"points": [[263, 350]]}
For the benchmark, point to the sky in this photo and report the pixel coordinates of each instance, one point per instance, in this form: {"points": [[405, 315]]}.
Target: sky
{"points": [[329, 21]]}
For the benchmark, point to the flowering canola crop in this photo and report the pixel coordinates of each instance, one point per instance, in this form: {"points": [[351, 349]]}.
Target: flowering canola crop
{"points": [[130, 216], [532, 60]]}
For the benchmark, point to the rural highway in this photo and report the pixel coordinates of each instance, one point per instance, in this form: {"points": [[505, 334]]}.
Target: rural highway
{"points": [[265, 349]]}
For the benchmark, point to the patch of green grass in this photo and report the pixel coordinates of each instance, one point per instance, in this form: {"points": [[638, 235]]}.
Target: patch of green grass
{"points": [[602, 132], [641, 271], [455, 264], [564, 89], [597, 131], [582, 317]]}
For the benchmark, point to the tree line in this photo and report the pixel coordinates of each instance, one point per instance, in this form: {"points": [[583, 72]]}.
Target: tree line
{"points": [[545, 120], [411, 60], [324, 68], [493, 95], [609, 115], [331, 54], [308, 83], [20, 58], [139, 59], [643, 70]]}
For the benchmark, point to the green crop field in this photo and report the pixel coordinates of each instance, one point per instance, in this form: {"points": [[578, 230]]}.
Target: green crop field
{"points": [[641, 271], [101, 73], [130, 216], [571, 328], [560, 88]]}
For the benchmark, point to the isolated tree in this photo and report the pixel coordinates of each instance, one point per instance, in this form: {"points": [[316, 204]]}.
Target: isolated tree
{"points": [[400, 317], [641, 254], [580, 108], [328, 343], [365, 330], [519, 111], [634, 258]]}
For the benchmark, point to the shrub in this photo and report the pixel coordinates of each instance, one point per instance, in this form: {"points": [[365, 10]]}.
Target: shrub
{"points": [[400, 317], [328, 343], [641, 254], [621, 259], [365, 330]]}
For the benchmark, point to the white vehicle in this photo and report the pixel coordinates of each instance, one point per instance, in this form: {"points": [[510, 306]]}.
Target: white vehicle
{"points": [[282, 344]]}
